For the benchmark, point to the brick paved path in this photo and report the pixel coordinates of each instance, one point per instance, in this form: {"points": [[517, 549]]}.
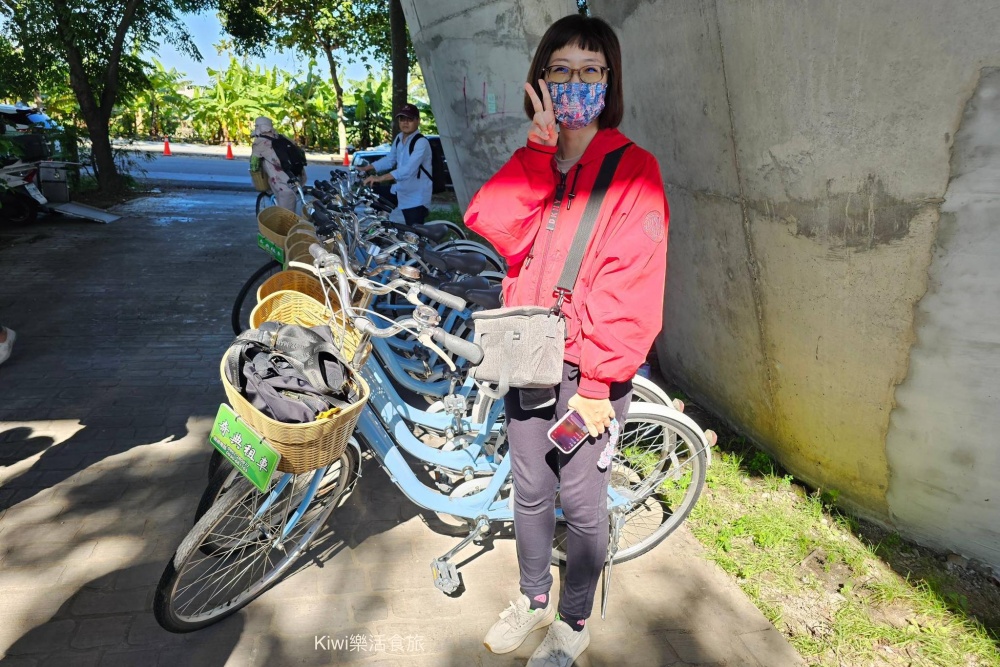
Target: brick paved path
{"points": [[104, 413]]}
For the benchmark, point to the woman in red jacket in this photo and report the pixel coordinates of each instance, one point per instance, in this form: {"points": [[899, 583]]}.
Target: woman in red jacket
{"points": [[530, 211]]}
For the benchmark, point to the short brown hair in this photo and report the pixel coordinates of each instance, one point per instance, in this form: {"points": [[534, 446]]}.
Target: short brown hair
{"points": [[591, 34]]}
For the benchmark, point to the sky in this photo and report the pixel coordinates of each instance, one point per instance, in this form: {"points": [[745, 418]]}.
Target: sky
{"points": [[206, 30]]}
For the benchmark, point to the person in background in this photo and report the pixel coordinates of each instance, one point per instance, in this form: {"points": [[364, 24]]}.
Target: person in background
{"points": [[7, 338], [284, 194], [408, 168]]}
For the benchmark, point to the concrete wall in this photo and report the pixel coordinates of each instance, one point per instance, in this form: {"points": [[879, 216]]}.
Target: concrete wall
{"points": [[819, 294]]}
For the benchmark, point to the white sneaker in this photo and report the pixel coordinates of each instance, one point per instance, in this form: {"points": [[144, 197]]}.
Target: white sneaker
{"points": [[561, 646], [516, 622], [8, 345]]}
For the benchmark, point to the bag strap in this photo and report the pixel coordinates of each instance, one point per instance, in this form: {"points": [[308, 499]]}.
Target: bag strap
{"points": [[574, 258], [503, 386], [413, 144], [234, 355]]}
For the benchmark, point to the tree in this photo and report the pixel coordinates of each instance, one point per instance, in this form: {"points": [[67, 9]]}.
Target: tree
{"points": [[98, 42], [321, 28]]}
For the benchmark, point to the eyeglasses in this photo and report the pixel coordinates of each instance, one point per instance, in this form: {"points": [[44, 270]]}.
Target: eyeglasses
{"points": [[563, 74], [406, 119]]}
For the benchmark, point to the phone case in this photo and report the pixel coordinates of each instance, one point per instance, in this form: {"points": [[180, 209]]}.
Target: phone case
{"points": [[569, 432]]}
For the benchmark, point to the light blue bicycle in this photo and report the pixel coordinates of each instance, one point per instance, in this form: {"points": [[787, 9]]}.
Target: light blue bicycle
{"points": [[248, 539]]}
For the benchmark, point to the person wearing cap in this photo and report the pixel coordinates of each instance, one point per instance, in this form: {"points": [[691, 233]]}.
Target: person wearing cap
{"points": [[408, 168]]}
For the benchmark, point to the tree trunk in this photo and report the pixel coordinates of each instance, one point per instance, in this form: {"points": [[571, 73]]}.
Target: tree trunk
{"points": [[341, 125], [96, 114], [400, 60]]}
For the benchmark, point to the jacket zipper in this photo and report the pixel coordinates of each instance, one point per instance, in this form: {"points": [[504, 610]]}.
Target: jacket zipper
{"points": [[549, 227]]}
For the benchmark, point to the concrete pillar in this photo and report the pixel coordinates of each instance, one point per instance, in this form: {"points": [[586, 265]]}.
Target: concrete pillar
{"points": [[806, 150], [475, 59]]}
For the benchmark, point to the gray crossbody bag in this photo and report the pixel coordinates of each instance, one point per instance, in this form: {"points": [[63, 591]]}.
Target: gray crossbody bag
{"points": [[523, 346]]}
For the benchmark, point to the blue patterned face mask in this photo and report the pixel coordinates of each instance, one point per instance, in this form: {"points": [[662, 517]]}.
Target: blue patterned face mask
{"points": [[576, 105]]}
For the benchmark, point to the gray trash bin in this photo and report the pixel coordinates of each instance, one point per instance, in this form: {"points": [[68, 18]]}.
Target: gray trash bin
{"points": [[53, 180]]}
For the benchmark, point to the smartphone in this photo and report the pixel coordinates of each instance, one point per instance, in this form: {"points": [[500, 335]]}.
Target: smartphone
{"points": [[569, 432]]}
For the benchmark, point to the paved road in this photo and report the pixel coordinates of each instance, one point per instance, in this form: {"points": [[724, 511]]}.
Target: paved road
{"points": [[105, 409], [195, 171]]}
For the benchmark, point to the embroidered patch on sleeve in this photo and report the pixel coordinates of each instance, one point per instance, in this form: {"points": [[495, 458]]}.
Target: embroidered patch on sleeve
{"points": [[653, 226]]}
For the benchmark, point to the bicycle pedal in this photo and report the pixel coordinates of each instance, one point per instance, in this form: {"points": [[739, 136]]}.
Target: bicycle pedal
{"points": [[445, 575]]}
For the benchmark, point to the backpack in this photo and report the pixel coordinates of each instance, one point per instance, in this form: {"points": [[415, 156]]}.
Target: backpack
{"points": [[290, 373], [292, 158], [437, 163]]}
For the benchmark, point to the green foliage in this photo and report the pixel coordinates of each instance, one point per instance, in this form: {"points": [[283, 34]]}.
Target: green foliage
{"points": [[158, 108]]}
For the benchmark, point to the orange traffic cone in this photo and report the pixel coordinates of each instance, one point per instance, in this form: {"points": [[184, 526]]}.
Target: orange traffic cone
{"points": [[166, 146], [229, 150], [347, 159]]}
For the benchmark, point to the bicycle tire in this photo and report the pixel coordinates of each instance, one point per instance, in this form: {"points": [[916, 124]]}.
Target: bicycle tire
{"points": [[624, 469], [223, 477], [167, 602], [648, 391], [244, 302], [264, 200]]}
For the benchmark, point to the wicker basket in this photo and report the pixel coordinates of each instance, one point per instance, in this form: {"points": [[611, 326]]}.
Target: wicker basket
{"points": [[274, 222], [297, 308], [300, 237], [303, 447], [295, 281], [259, 179]]}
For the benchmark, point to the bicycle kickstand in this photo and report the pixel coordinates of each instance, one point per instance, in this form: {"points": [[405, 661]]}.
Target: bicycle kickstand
{"points": [[445, 573], [618, 517]]}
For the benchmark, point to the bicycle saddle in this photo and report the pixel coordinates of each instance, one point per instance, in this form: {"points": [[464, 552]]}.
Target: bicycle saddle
{"points": [[461, 287], [467, 263], [487, 298], [433, 232]]}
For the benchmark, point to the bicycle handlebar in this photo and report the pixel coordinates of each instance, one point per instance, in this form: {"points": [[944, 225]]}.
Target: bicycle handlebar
{"points": [[458, 345]]}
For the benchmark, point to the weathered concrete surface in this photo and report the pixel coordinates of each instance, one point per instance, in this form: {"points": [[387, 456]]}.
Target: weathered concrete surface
{"points": [[475, 57], [942, 444], [806, 150]]}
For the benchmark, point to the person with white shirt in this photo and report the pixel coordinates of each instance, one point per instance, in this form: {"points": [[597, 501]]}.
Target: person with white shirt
{"points": [[408, 168]]}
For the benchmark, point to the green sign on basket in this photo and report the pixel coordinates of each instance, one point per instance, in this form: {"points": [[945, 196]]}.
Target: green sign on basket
{"points": [[246, 450], [271, 248]]}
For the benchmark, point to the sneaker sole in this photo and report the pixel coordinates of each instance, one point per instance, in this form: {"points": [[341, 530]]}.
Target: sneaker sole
{"points": [[546, 621]]}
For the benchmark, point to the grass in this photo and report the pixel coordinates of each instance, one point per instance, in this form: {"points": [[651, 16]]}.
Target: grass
{"points": [[831, 591]]}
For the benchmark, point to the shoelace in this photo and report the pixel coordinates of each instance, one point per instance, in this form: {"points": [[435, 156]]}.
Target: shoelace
{"points": [[520, 617]]}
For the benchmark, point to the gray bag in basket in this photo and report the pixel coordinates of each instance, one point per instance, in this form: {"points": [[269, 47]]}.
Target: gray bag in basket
{"points": [[523, 346]]}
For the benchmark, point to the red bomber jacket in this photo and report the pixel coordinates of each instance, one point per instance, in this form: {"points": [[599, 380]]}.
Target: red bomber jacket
{"points": [[529, 211]]}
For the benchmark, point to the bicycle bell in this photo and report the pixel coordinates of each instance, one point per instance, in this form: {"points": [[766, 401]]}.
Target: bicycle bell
{"points": [[427, 316], [408, 272]]}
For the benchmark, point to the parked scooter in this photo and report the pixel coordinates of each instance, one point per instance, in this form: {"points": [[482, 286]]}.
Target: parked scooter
{"points": [[20, 197]]}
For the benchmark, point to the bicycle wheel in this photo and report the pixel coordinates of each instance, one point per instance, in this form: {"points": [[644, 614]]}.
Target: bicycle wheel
{"points": [[649, 392], [264, 200], [341, 474], [233, 554], [247, 297], [660, 465]]}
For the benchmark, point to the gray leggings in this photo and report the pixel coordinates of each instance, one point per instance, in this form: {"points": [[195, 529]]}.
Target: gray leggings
{"points": [[583, 492]]}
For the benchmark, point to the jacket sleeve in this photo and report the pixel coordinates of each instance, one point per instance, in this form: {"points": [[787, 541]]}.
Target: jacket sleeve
{"points": [[623, 311], [508, 208], [388, 162]]}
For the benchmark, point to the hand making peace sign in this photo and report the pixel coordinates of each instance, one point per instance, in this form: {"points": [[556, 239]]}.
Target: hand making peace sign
{"points": [[543, 125]]}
